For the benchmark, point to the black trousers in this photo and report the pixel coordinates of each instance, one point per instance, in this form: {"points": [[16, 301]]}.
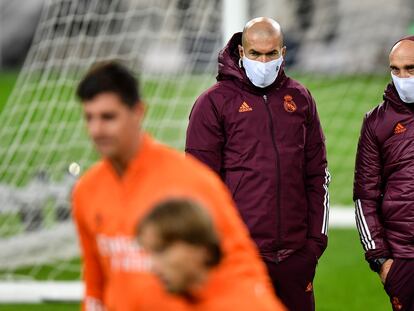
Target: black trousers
{"points": [[399, 284], [292, 280]]}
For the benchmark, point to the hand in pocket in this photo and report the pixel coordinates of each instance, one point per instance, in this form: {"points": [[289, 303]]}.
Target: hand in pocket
{"points": [[385, 268]]}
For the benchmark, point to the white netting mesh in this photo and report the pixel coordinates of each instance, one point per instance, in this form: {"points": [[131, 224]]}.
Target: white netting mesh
{"points": [[174, 43]]}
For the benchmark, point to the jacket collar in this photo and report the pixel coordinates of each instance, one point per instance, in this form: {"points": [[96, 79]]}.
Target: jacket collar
{"points": [[391, 95]]}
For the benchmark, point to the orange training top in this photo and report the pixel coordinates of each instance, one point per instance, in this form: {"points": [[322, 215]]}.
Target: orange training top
{"points": [[107, 208], [243, 295]]}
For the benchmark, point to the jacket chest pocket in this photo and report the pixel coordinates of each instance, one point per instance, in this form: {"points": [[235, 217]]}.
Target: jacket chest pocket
{"points": [[291, 146], [291, 136], [244, 129]]}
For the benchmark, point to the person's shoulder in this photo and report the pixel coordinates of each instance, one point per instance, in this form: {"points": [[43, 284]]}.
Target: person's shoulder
{"points": [[184, 166], [298, 92], [182, 174], [90, 177], [172, 159], [243, 296], [381, 121], [202, 169], [293, 84], [219, 92], [166, 157], [377, 114]]}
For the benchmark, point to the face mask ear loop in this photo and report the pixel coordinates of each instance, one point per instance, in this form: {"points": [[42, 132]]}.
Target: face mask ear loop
{"points": [[240, 63]]}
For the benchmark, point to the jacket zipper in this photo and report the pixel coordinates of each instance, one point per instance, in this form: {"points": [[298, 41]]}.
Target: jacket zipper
{"points": [[272, 133]]}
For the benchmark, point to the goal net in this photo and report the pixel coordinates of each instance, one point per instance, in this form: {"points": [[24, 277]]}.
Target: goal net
{"points": [[173, 44], [332, 48]]}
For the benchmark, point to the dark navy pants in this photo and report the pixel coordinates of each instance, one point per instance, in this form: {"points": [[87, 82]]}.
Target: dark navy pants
{"points": [[399, 284], [293, 280]]}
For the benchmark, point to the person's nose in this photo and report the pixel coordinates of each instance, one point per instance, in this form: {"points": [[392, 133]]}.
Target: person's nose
{"points": [[94, 128], [263, 58]]}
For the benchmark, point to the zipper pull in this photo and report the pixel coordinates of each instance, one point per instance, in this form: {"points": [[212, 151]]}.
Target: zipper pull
{"points": [[265, 98]]}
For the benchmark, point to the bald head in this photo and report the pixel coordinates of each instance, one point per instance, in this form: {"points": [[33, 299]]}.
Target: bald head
{"points": [[402, 59], [261, 28], [262, 40]]}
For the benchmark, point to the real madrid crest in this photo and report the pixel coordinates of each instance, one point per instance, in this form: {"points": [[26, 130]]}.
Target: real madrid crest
{"points": [[289, 104]]}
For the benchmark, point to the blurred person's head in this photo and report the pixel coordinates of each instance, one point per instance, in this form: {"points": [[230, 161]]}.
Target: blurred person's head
{"points": [[262, 50], [112, 109], [183, 244], [402, 68]]}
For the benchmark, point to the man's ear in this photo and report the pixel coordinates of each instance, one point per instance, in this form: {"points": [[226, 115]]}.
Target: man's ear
{"points": [[139, 110], [284, 51], [241, 52]]}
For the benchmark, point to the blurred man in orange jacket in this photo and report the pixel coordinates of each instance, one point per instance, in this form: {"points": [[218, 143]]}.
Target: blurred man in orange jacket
{"points": [[134, 174], [185, 250]]}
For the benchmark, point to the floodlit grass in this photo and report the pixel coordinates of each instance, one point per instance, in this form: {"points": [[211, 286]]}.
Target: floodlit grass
{"points": [[7, 81], [343, 280], [57, 271]]}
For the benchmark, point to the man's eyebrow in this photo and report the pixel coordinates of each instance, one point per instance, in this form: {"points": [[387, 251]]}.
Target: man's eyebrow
{"points": [[411, 66], [273, 51], [251, 51]]}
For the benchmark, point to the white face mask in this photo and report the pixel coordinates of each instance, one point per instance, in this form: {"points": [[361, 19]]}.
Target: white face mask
{"points": [[262, 74], [405, 88]]}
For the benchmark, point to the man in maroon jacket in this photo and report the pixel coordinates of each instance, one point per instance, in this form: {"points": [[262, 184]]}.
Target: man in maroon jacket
{"points": [[260, 131], [384, 181]]}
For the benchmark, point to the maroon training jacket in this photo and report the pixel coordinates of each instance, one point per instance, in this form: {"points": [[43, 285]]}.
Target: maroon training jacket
{"points": [[384, 179], [268, 147]]}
